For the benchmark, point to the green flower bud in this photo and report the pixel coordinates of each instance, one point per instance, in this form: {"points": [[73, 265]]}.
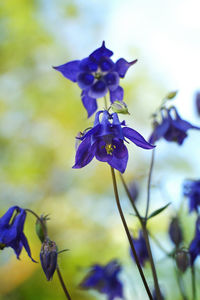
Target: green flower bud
{"points": [[171, 95], [120, 107], [40, 227]]}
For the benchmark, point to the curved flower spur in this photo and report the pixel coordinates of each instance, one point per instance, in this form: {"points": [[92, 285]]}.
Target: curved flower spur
{"points": [[96, 75], [105, 141]]}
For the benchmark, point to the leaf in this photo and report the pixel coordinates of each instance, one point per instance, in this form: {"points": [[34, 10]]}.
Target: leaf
{"points": [[158, 211]]}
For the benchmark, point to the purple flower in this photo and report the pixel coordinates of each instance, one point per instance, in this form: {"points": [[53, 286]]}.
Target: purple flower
{"points": [[11, 231], [96, 75], [48, 258], [172, 128], [141, 249], [194, 248], [105, 280], [105, 141], [191, 189]]}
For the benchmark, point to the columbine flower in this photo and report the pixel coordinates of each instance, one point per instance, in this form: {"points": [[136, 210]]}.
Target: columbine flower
{"points": [[96, 75], [11, 231], [141, 249], [194, 248], [105, 280], [105, 141], [191, 189], [48, 258], [172, 128], [198, 102]]}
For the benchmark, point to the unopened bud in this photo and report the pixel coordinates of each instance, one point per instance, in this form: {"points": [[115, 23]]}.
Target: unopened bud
{"points": [[120, 107], [48, 258], [171, 95], [182, 258], [175, 232], [40, 227]]}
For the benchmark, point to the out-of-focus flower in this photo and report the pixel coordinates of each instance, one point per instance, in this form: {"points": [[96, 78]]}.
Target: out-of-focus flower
{"points": [[198, 102], [11, 231], [105, 141], [96, 75], [141, 249], [182, 258], [133, 190], [105, 280], [194, 248], [175, 232], [155, 297], [191, 189], [48, 258], [172, 128]]}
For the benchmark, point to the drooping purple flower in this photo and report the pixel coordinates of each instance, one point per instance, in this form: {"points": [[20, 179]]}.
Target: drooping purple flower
{"points": [[11, 231], [191, 189], [194, 248], [105, 280], [96, 75], [172, 128], [175, 232], [141, 249], [105, 141]]}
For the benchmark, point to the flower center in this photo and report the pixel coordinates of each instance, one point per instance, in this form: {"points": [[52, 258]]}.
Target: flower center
{"points": [[110, 148], [98, 75], [2, 246]]}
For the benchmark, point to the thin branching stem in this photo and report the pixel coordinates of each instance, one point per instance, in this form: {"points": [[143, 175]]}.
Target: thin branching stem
{"points": [[63, 284], [149, 183], [128, 234], [194, 290]]}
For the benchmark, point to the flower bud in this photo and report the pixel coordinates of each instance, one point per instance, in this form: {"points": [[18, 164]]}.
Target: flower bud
{"points": [[40, 228], [120, 107], [175, 232], [182, 258], [48, 258], [171, 95]]}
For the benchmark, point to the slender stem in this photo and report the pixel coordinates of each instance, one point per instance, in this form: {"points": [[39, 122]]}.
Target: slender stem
{"points": [[63, 284], [146, 237], [149, 183], [128, 234], [194, 290], [39, 219], [181, 285]]}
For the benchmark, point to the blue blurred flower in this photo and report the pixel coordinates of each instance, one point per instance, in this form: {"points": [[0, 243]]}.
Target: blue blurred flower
{"points": [[105, 280], [105, 141], [172, 128], [198, 102], [194, 248], [140, 248], [96, 75], [11, 231], [191, 189], [175, 232]]}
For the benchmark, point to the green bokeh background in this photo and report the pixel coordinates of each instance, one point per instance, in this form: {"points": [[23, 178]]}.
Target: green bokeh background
{"points": [[40, 115]]}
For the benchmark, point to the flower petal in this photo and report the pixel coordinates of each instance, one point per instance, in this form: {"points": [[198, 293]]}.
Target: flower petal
{"points": [[98, 89], [26, 246], [84, 154], [101, 52], [106, 64], [69, 70], [89, 103], [85, 80], [122, 66], [120, 150], [119, 163], [5, 219], [112, 80], [101, 153], [159, 131], [117, 94], [136, 138], [88, 65]]}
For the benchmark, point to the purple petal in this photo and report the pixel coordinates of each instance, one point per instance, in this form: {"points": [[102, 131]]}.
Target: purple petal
{"points": [[5, 219], [136, 138], [98, 89], [89, 103], [106, 64], [26, 246], [101, 52], [119, 163], [117, 94], [85, 80], [112, 80], [122, 66], [88, 65], [159, 131], [120, 150], [101, 153], [84, 154], [70, 70]]}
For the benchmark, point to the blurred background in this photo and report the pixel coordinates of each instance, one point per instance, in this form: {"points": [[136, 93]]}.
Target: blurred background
{"points": [[41, 113]]}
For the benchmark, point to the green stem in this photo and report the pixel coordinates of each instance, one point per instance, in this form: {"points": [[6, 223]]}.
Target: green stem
{"points": [[146, 237], [149, 183], [63, 284], [181, 284], [194, 290], [40, 220], [128, 234]]}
